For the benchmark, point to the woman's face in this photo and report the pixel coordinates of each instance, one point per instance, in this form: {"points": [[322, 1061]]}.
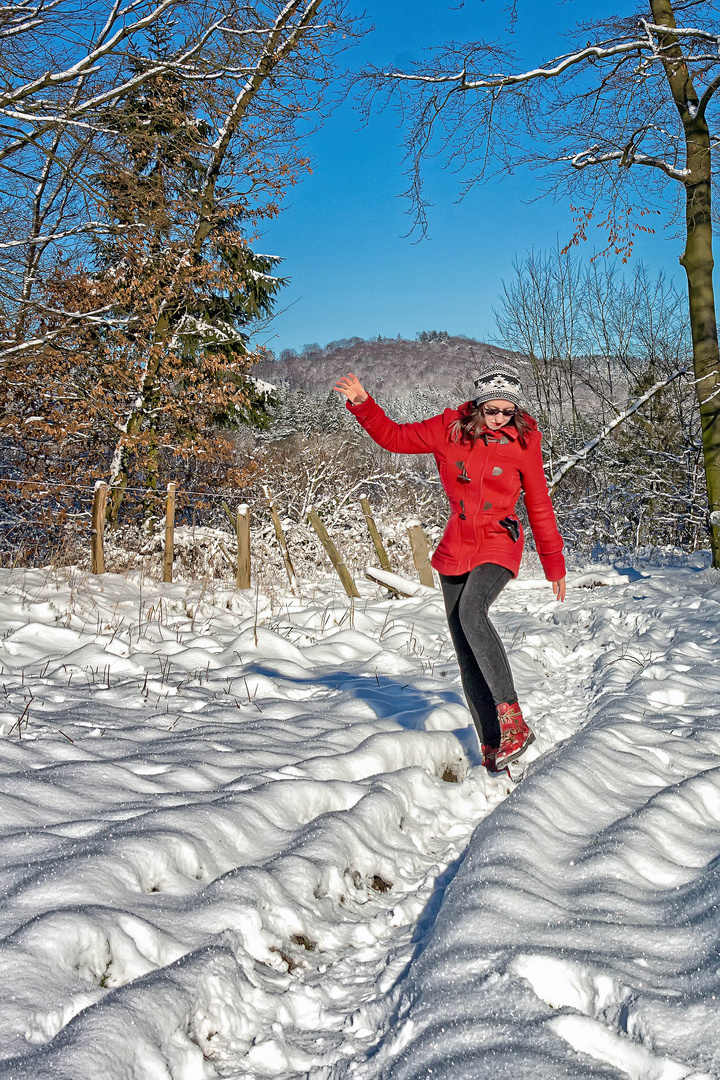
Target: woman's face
{"points": [[498, 420]]}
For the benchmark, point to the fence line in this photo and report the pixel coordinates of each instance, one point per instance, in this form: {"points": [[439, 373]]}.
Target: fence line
{"points": [[332, 552], [97, 528], [241, 527], [169, 552], [282, 542], [241, 524], [420, 553], [375, 534]]}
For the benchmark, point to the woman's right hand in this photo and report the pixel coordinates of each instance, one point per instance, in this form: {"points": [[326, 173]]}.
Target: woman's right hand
{"points": [[352, 388]]}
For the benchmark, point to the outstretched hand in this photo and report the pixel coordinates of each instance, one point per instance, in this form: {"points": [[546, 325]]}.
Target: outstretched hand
{"points": [[352, 388], [558, 588]]}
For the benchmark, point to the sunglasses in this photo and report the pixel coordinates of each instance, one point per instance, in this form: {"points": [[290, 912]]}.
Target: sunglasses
{"points": [[495, 412]]}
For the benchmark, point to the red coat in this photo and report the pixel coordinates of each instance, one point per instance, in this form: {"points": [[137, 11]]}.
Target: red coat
{"points": [[498, 468]]}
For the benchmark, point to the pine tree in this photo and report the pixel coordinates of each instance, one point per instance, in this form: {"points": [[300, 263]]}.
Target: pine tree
{"points": [[226, 289]]}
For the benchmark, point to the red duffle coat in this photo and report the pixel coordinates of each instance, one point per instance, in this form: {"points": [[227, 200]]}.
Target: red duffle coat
{"points": [[498, 468]]}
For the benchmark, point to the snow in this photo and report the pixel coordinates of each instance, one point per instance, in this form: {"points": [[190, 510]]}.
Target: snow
{"points": [[245, 835], [404, 586], [262, 384]]}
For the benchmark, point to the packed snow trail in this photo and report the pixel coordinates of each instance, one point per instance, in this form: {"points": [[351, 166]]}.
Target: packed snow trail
{"points": [[227, 836], [579, 937]]}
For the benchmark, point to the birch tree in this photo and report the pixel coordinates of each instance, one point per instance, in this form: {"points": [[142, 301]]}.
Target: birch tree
{"points": [[621, 123], [141, 155]]}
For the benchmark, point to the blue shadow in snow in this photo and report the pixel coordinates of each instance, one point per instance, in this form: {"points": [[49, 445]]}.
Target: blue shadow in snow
{"points": [[389, 699]]}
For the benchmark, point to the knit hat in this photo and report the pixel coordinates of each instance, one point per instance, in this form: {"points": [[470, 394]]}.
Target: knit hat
{"points": [[497, 382]]}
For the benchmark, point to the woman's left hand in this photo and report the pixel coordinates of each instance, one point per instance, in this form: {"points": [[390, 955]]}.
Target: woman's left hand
{"points": [[558, 588]]}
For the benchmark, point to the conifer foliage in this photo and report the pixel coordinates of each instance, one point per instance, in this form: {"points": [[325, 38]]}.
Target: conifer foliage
{"points": [[138, 171]]}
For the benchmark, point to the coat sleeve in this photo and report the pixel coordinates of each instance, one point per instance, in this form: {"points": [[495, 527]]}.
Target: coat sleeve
{"points": [[548, 541], [423, 437]]}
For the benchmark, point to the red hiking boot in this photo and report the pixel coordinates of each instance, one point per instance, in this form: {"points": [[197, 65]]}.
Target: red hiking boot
{"points": [[515, 735]]}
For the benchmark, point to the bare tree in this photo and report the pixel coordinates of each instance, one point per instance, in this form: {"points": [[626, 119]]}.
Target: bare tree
{"points": [[589, 332], [623, 446], [55, 95], [623, 119]]}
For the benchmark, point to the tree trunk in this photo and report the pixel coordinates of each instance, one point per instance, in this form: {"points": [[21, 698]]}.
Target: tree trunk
{"points": [[697, 259], [120, 471]]}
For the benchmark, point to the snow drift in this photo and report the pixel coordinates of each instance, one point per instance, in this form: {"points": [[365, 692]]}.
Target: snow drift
{"points": [[240, 841]]}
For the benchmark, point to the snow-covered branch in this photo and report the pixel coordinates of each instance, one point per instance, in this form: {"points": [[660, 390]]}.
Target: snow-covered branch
{"points": [[63, 234], [645, 45], [682, 32], [568, 463], [626, 157], [98, 317], [87, 64], [552, 70], [69, 114]]}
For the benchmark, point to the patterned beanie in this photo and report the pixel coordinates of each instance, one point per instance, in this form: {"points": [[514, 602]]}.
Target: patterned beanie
{"points": [[497, 382]]}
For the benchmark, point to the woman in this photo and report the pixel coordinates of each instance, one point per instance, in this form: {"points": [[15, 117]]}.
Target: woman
{"points": [[486, 451]]}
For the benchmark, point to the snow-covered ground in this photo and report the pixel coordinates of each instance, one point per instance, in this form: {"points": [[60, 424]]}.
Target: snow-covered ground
{"points": [[244, 841]]}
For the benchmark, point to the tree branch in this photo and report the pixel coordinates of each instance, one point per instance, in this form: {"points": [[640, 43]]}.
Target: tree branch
{"points": [[708, 92], [550, 71], [585, 158], [87, 64], [589, 446]]}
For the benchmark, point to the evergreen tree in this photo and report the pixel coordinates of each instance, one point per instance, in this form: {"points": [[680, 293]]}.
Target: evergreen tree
{"points": [[219, 291]]}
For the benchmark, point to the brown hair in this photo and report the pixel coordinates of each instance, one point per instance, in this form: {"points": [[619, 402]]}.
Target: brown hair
{"points": [[469, 424]]}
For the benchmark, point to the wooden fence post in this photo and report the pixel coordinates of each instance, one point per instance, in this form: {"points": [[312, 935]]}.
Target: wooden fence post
{"points": [[289, 569], [242, 529], [97, 528], [420, 553], [169, 534], [333, 554], [375, 535]]}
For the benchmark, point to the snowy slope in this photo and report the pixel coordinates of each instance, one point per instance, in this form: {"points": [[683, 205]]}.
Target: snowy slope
{"points": [[585, 914], [245, 842]]}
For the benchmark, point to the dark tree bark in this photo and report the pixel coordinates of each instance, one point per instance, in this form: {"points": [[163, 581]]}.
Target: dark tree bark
{"points": [[697, 259]]}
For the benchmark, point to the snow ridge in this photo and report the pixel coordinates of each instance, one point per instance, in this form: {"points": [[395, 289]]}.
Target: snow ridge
{"points": [[218, 836], [579, 936], [241, 840]]}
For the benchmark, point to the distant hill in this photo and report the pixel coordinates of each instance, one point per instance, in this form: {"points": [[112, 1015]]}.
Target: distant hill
{"points": [[436, 366]]}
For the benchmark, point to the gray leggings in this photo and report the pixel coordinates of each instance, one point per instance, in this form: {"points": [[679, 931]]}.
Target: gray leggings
{"points": [[484, 668]]}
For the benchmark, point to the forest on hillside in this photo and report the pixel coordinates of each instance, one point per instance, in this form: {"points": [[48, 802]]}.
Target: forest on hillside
{"points": [[435, 367]]}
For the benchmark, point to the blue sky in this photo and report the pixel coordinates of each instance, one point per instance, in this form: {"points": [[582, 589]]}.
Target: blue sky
{"points": [[342, 234]]}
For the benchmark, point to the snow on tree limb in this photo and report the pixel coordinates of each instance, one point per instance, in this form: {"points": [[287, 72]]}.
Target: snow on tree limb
{"points": [[584, 159], [556, 67], [589, 446], [87, 64]]}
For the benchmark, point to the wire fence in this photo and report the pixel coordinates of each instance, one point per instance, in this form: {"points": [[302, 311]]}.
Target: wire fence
{"points": [[145, 493], [219, 547]]}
